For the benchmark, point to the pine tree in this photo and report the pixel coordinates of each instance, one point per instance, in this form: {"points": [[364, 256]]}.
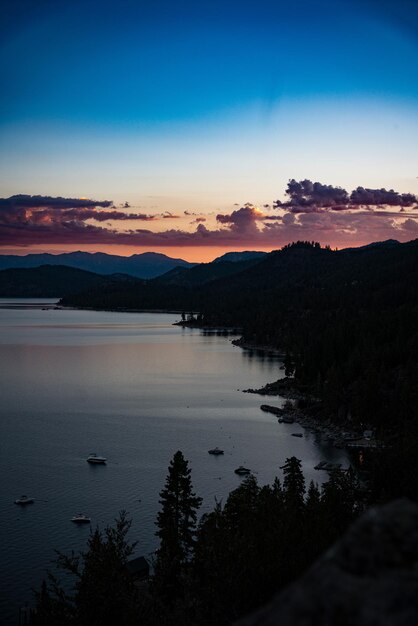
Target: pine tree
{"points": [[241, 504], [102, 594], [47, 610], [340, 500], [176, 523], [105, 591], [289, 366], [314, 522], [293, 485], [213, 564]]}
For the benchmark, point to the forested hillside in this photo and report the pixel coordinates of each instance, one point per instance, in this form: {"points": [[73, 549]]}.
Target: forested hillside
{"points": [[347, 323], [56, 281], [347, 320]]}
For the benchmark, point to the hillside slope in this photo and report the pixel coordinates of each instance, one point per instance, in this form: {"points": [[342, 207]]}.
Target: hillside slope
{"points": [[50, 281]]}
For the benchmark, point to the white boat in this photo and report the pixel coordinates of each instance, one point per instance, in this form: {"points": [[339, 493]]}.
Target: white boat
{"points": [[80, 519], [98, 460], [216, 451], [242, 471], [24, 500]]}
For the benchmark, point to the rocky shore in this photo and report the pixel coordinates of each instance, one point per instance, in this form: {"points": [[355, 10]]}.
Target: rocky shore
{"points": [[368, 577], [302, 408], [284, 387]]}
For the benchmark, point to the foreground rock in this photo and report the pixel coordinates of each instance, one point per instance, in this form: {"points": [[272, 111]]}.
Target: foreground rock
{"points": [[369, 578]]}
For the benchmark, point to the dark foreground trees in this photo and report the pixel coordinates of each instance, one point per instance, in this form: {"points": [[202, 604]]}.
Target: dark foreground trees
{"points": [[263, 538], [101, 593], [239, 555]]}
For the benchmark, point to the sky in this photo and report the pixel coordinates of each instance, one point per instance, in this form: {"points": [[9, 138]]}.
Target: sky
{"points": [[195, 128]]}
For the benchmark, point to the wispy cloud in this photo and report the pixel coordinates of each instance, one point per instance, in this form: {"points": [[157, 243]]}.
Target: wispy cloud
{"points": [[38, 202]]}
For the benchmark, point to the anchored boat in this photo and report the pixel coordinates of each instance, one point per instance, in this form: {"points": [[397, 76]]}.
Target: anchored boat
{"points": [[80, 519], [96, 460], [216, 451], [242, 471], [24, 500]]}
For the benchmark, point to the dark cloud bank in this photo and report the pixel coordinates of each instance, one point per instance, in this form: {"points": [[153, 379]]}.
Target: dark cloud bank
{"points": [[312, 211], [306, 196]]}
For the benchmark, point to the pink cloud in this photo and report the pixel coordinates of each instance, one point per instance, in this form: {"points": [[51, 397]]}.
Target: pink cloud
{"points": [[32, 220], [169, 216], [242, 220]]}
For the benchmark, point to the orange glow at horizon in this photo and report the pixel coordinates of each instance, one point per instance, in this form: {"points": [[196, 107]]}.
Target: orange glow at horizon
{"points": [[193, 254]]}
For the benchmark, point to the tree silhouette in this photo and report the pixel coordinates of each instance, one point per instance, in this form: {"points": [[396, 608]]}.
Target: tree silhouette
{"points": [[293, 485], [103, 592], [176, 524]]}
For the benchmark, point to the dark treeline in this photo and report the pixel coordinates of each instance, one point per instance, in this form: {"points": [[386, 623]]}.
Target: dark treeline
{"points": [[348, 324], [347, 321], [208, 573]]}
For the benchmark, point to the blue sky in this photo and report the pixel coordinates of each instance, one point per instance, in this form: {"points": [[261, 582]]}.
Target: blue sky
{"points": [[140, 63], [198, 105]]}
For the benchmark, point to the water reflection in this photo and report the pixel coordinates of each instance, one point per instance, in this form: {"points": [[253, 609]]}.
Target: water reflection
{"points": [[220, 332], [133, 388]]}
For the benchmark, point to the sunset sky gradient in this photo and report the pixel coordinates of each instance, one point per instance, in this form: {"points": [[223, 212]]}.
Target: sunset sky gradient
{"points": [[189, 118]]}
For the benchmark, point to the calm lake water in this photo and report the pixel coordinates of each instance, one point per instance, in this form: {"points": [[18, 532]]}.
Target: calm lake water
{"points": [[134, 388]]}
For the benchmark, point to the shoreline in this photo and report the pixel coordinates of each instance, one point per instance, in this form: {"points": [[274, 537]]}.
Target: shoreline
{"points": [[119, 310], [233, 330], [339, 436], [248, 345]]}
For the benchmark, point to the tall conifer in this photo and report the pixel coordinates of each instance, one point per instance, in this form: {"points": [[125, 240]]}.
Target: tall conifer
{"points": [[176, 524]]}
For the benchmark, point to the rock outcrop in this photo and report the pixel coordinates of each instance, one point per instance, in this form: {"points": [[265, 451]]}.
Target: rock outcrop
{"points": [[368, 578]]}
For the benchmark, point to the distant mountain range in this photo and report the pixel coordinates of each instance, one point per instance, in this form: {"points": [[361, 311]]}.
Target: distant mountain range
{"points": [[55, 281], [146, 265], [237, 291], [176, 284], [51, 279]]}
